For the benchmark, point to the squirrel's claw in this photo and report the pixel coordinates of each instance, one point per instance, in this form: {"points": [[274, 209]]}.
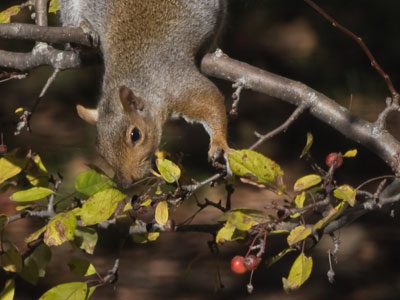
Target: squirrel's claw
{"points": [[218, 155], [90, 33]]}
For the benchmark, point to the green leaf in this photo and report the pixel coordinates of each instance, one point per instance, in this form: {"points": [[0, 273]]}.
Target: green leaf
{"points": [[306, 182], [12, 163], [308, 145], [345, 193], [67, 291], [100, 206], [298, 234], [11, 261], [86, 239], [41, 255], [91, 182], [60, 229], [299, 273], [168, 170], [161, 213], [35, 264], [253, 165], [81, 267], [331, 215], [54, 6], [32, 194], [5, 15], [225, 233], [350, 153], [8, 292]]}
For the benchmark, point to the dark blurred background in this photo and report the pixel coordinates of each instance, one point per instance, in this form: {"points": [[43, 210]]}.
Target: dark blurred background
{"points": [[285, 37]]}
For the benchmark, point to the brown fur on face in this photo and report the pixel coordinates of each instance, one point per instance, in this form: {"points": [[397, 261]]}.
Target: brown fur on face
{"points": [[130, 159]]}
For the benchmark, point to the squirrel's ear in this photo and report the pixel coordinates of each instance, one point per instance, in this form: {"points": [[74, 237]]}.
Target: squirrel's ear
{"points": [[88, 115], [129, 101]]}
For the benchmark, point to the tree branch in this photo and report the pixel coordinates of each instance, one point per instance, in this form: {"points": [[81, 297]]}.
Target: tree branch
{"points": [[30, 32], [367, 134]]}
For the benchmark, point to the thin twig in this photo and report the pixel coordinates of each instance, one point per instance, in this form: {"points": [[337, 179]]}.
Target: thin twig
{"points": [[262, 138], [360, 42]]}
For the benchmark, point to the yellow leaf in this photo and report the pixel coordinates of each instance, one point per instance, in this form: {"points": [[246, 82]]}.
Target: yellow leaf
{"points": [[308, 145], [168, 170], [345, 193], [225, 233], [161, 213], [298, 234], [306, 182], [8, 292], [12, 164], [19, 110], [127, 207], [152, 236], [253, 165], [299, 273], [54, 6], [350, 153], [299, 200], [146, 203], [5, 15], [32, 194], [60, 229]]}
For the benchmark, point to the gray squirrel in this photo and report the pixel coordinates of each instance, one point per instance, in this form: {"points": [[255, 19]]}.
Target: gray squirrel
{"points": [[150, 49]]}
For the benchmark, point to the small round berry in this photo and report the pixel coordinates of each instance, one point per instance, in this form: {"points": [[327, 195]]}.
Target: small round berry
{"points": [[237, 265], [251, 262], [334, 160]]}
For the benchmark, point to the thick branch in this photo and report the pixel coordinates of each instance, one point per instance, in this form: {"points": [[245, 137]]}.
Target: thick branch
{"points": [[368, 134], [37, 33], [42, 54]]}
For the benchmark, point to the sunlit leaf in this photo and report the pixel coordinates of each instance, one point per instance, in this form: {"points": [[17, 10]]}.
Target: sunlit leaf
{"points": [[12, 164], [168, 170], [32, 194], [225, 233], [11, 260], [67, 291], [91, 182], [298, 234], [81, 267], [86, 239], [146, 203], [161, 213], [60, 229], [350, 153], [54, 6], [5, 15], [308, 145], [345, 193], [100, 206], [253, 165], [299, 273], [306, 182], [8, 291]]}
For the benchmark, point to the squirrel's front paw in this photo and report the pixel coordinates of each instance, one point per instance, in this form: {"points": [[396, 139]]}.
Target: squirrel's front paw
{"points": [[218, 155], [90, 33]]}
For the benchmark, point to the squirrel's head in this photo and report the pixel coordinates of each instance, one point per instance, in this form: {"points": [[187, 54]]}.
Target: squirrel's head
{"points": [[127, 134]]}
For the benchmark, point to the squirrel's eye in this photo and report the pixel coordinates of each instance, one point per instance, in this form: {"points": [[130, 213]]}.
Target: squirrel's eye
{"points": [[135, 135]]}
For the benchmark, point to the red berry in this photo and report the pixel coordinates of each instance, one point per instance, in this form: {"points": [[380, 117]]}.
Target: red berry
{"points": [[334, 160], [237, 265], [251, 262]]}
